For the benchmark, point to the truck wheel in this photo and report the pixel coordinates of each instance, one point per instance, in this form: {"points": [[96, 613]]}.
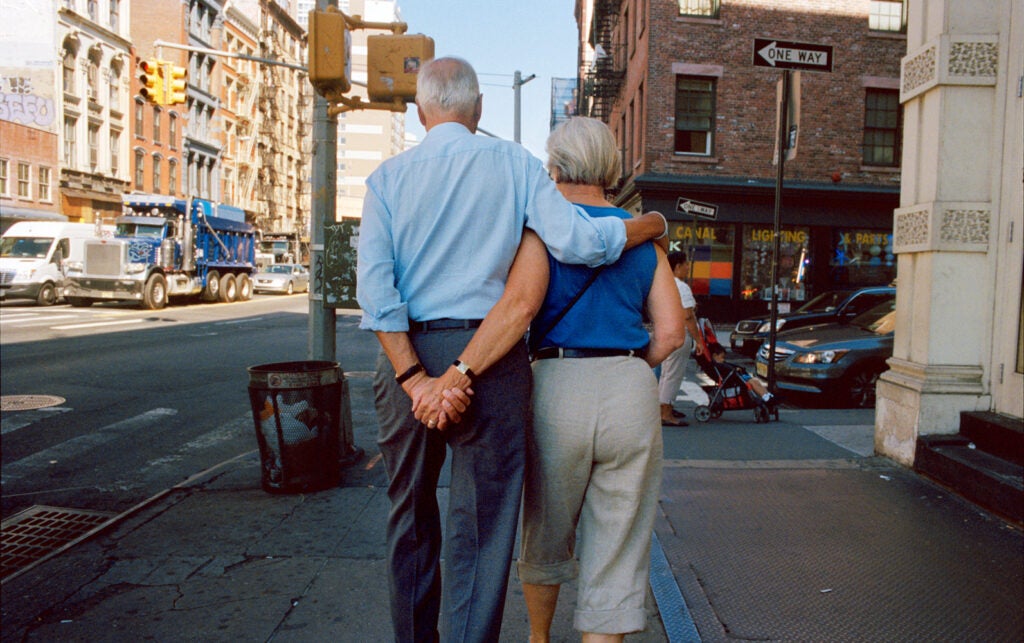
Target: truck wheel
{"points": [[79, 302], [154, 297], [244, 287], [211, 292], [228, 288], [47, 295]]}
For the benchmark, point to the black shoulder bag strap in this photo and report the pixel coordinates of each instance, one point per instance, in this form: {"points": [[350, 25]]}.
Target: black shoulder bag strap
{"points": [[535, 343]]}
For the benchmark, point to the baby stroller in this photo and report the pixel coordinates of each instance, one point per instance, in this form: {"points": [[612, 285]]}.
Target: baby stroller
{"points": [[730, 391]]}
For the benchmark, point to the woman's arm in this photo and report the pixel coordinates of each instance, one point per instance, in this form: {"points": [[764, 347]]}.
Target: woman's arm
{"points": [[666, 312]]}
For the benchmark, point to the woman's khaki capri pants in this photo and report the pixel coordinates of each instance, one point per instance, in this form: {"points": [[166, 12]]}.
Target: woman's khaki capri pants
{"points": [[593, 461]]}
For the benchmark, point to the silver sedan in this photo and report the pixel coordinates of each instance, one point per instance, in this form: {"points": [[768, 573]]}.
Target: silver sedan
{"points": [[284, 278]]}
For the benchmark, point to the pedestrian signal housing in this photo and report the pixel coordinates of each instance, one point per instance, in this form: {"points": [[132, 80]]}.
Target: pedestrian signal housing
{"points": [[330, 45], [393, 62]]}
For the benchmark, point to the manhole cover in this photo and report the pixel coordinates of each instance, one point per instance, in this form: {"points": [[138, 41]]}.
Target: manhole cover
{"points": [[28, 402], [37, 532]]}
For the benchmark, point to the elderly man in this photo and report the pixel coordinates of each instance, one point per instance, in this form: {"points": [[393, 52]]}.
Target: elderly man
{"points": [[442, 224]]}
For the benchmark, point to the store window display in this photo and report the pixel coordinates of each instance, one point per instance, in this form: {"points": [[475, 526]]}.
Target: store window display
{"points": [[794, 263]]}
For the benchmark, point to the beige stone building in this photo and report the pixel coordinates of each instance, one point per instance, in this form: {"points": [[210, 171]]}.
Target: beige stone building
{"points": [[266, 116], [95, 63], [365, 137], [958, 231]]}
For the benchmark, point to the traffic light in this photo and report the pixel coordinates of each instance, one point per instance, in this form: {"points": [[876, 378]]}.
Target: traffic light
{"points": [[393, 62], [176, 78], [330, 44], [151, 77]]}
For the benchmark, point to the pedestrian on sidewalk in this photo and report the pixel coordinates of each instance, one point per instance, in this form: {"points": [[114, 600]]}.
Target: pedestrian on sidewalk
{"points": [[441, 226], [594, 450], [673, 370]]}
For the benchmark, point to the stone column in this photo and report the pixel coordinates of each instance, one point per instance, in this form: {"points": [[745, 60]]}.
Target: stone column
{"points": [[944, 227]]}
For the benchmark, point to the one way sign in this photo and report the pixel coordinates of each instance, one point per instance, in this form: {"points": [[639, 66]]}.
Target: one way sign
{"points": [[696, 208], [792, 55]]}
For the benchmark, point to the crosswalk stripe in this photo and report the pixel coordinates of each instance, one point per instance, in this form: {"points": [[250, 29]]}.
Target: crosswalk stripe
{"points": [[98, 324], [69, 448]]}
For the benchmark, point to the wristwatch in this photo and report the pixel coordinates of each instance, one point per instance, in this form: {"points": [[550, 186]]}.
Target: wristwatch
{"points": [[464, 368]]}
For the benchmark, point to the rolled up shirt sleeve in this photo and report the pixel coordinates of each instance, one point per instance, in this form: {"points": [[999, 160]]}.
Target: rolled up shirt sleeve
{"points": [[571, 235], [376, 291]]}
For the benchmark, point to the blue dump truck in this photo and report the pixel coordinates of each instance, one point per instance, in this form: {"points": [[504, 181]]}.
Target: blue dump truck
{"points": [[166, 247]]}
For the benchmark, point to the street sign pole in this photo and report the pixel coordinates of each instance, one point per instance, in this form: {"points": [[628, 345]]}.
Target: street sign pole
{"points": [[783, 147], [322, 320]]}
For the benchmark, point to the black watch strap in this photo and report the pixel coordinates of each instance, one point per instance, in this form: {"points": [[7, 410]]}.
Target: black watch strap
{"points": [[412, 370]]}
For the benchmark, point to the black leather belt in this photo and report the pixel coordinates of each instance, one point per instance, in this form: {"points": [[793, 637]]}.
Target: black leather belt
{"points": [[555, 352], [443, 324]]}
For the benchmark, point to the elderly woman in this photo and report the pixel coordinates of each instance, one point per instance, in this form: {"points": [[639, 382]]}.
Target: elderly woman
{"points": [[594, 450]]}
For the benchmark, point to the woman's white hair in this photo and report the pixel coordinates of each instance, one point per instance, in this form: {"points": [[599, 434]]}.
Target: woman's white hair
{"points": [[582, 150], [448, 86]]}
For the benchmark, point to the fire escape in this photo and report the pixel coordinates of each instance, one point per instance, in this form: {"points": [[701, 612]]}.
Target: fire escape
{"points": [[602, 79], [270, 217]]}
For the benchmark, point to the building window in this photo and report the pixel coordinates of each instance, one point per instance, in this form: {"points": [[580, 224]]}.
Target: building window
{"points": [[888, 15], [172, 130], [24, 181], [861, 257], [114, 88], [92, 76], [94, 146], [115, 14], [157, 173], [115, 153], [699, 8], [695, 115], [44, 184], [883, 124], [69, 70], [70, 151], [756, 267], [93, 8], [140, 174], [4, 169], [156, 124], [172, 177], [139, 113]]}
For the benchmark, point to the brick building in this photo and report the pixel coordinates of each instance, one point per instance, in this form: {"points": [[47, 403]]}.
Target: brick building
{"points": [[158, 132], [696, 119]]}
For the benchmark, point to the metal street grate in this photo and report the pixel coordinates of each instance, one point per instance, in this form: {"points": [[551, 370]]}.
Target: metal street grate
{"points": [[37, 532]]}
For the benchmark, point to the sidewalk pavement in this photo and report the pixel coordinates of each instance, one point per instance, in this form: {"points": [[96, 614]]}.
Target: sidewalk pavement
{"points": [[787, 531]]}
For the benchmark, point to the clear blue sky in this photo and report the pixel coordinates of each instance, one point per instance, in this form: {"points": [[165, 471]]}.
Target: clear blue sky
{"points": [[497, 38]]}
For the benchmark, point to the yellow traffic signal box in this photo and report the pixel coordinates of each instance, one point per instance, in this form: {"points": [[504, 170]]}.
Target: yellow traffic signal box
{"points": [[330, 63], [176, 79], [151, 77], [393, 63]]}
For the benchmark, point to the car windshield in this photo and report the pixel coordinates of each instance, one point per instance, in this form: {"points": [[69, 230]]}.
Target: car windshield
{"points": [[826, 302], [25, 247], [279, 269], [880, 320]]}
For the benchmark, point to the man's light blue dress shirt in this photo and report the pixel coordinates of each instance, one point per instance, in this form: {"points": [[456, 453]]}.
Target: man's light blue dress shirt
{"points": [[442, 222]]}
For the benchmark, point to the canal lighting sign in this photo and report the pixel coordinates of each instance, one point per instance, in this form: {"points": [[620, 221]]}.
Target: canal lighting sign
{"points": [[792, 55]]}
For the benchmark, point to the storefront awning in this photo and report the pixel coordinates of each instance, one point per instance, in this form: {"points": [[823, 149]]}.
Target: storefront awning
{"points": [[106, 197]]}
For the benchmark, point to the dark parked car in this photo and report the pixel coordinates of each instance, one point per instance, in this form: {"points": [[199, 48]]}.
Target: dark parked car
{"points": [[831, 306], [841, 361]]}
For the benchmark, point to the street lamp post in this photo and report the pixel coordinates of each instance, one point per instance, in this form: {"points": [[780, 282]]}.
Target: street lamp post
{"points": [[518, 82]]}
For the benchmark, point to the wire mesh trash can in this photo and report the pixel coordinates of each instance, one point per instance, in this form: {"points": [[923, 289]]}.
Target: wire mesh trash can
{"points": [[296, 407]]}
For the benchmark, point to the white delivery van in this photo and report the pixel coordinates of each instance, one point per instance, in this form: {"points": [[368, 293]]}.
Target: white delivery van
{"points": [[31, 253]]}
